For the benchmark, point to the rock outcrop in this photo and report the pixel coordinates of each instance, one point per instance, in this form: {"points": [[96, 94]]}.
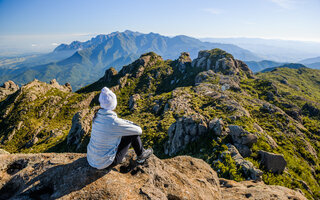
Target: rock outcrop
{"points": [[242, 139], [183, 60], [183, 131], [272, 162], [217, 127], [246, 166], [68, 176], [232, 190], [137, 68], [220, 61], [81, 126], [66, 88], [133, 102], [8, 88], [109, 74]]}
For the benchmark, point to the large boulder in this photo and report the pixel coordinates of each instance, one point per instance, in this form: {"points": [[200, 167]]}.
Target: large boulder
{"points": [[183, 131], [272, 162], [68, 176], [242, 139], [241, 136]]}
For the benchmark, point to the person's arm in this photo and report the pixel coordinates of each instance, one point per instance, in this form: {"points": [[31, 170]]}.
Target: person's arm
{"points": [[127, 128]]}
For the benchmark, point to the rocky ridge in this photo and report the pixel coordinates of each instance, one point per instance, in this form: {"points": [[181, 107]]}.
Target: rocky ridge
{"points": [[68, 176], [218, 112], [36, 115]]}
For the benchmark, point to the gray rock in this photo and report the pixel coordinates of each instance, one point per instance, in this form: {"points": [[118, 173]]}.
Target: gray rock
{"points": [[247, 167], [242, 139], [180, 102], [184, 131], [284, 81], [217, 127], [65, 88], [205, 76], [156, 108], [220, 61], [133, 102], [243, 150], [272, 162], [123, 81], [241, 136], [183, 60], [81, 126], [31, 142]]}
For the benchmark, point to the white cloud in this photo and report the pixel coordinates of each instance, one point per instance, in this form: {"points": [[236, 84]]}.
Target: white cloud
{"points": [[213, 11], [34, 45], [54, 44], [286, 4]]}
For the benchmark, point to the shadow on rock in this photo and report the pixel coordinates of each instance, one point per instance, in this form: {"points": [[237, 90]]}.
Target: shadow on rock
{"points": [[54, 182]]}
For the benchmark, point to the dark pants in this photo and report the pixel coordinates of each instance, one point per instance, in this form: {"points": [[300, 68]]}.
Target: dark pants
{"points": [[126, 141]]}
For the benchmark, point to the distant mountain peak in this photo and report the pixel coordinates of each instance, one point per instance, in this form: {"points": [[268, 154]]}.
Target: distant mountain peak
{"points": [[91, 58]]}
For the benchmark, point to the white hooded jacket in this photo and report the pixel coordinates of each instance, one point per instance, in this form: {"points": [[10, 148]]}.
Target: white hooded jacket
{"points": [[107, 130]]}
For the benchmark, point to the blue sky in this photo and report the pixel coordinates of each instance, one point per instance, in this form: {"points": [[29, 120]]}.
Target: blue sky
{"points": [[42, 24]]}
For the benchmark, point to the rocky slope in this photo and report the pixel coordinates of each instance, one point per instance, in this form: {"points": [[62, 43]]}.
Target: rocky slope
{"points": [[68, 176], [38, 115], [245, 126]]}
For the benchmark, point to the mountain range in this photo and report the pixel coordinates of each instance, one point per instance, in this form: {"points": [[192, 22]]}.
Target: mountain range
{"points": [[80, 63], [312, 62], [274, 49]]}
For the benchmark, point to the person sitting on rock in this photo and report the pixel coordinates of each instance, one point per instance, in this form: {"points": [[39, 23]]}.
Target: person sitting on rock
{"points": [[111, 136]]}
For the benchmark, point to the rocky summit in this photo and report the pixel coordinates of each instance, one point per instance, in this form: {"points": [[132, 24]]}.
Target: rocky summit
{"points": [[253, 130], [68, 176]]}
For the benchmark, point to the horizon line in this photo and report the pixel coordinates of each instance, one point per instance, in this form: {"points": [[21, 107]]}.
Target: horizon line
{"points": [[168, 35]]}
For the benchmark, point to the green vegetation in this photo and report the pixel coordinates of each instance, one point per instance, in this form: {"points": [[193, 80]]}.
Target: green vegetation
{"points": [[38, 116], [283, 103]]}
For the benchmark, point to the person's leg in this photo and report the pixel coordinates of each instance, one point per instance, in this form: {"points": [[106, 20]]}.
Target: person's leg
{"points": [[121, 151], [137, 144], [124, 145]]}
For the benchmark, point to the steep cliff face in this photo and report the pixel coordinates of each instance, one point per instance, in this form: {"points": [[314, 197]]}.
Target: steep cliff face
{"points": [[68, 176], [211, 108]]}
